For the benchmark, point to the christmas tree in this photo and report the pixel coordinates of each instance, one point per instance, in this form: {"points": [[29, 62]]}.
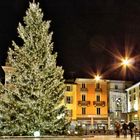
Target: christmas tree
{"points": [[34, 104]]}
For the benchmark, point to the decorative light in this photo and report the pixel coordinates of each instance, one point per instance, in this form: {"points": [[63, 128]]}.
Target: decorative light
{"points": [[83, 125], [69, 132], [76, 132], [37, 134], [60, 116]]}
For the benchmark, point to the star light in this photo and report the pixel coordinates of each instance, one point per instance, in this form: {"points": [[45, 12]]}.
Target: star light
{"points": [[97, 77], [125, 62]]}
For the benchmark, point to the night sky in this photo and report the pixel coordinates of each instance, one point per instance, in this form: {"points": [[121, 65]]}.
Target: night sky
{"points": [[87, 33]]}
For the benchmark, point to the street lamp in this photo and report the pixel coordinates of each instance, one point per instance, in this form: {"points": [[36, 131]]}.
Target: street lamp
{"points": [[97, 77], [126, 62]]}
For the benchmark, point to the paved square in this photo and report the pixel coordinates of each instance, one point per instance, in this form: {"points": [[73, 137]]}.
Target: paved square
{"points": [[111, 137]]}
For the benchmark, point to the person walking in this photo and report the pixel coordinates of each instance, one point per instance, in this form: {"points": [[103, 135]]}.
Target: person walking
{"points": [[131, 126], [117, 129], [124, 128]]}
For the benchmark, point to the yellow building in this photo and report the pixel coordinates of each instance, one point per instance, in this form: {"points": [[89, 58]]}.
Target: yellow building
{"points": [[88, 101], [70, 100]]}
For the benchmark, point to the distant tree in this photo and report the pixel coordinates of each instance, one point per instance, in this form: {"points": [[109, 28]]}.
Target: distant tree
{"points": [[34, 104]]}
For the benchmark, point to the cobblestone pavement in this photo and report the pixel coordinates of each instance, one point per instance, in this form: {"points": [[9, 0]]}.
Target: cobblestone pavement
{"points": [[111, 137]]}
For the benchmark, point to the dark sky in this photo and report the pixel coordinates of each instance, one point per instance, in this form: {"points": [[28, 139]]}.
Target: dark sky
{"points": [[87, 33]]}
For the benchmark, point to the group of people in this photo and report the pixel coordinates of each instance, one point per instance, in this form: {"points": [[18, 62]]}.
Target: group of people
{"points": [[124, 128]]}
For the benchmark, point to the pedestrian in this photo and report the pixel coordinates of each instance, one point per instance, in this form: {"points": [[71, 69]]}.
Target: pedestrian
{"points": [[117, 129], [124, 129], [131, 126], [104, 129]]}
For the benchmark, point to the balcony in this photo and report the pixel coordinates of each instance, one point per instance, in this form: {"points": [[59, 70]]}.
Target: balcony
{"points": [[98, 89], [83, 89], [83, 103], [117, 90], [99, 103]]}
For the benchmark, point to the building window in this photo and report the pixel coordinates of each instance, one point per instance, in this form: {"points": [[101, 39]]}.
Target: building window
{"points": [[97, 85], [130, 98], [134, 90], [98, 98], [13, 78], [126, 86], [68, 88], [83, 97], [130, 92], [83, 110], [116, 86], [83, 85], [69, 113], [69, 99], [98, 111], [134, 97]]}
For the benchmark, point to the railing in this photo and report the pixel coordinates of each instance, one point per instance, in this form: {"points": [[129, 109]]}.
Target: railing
{"points": [[99, 103], [83, 103], [119, 90], [84, 89], [98, 89]]}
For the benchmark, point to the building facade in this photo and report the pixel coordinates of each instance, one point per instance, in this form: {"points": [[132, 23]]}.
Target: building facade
{"points": [[117, 101], [70, 100], [133, 99], [91, 103]]}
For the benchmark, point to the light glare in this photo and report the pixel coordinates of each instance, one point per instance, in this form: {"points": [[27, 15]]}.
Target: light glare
{"points": [[97, 77], [125, 62]]}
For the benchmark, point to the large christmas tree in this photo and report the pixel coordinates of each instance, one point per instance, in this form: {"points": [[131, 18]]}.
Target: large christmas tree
{"points": [[34, 104]]}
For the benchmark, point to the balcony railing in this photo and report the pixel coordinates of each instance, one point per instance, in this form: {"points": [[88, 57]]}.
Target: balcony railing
{"points": [[84, 90], [98, 89], [99, 103], [83, 103], [119, 90]]}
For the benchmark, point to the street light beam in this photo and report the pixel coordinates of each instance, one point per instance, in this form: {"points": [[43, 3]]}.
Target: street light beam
{"points": [[126, 62], [97, 77]]}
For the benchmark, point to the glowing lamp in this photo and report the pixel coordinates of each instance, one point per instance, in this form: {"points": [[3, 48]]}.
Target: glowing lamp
{"points": [[97, 77], [125, 62], [37, 134]]}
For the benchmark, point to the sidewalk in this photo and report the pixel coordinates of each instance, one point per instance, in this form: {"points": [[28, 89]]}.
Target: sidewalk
{"points": [[97, 137]]}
